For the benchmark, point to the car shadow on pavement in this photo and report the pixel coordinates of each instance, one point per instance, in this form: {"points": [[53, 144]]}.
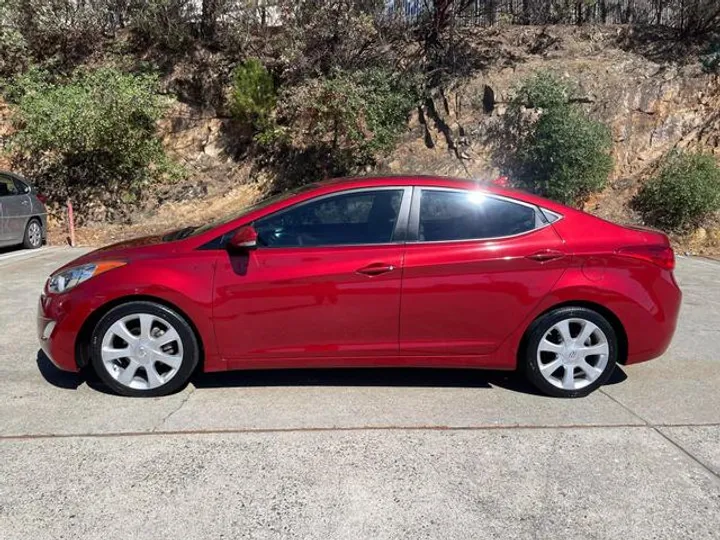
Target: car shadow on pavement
{"points": [[394, 377], [55, 376]]}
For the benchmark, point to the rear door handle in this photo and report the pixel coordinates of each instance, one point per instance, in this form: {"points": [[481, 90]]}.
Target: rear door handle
{"points": [[376, 269], [25, 202], [546, 255]]}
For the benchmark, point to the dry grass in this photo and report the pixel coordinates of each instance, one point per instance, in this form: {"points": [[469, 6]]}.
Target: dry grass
{"points": [[168, 217]]}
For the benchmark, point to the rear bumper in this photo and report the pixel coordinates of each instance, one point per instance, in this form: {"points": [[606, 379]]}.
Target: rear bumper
{"points": [[650, 334]]}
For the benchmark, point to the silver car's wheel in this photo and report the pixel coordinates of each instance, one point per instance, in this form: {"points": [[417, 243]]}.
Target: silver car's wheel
{"points": [[142, 351], [33, 235], [573, 354]]}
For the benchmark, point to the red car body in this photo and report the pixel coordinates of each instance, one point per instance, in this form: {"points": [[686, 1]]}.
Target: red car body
{"points": [[464, 303]]}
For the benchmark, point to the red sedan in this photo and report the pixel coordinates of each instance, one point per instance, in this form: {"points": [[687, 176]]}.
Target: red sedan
{"points": [[404, 271]]}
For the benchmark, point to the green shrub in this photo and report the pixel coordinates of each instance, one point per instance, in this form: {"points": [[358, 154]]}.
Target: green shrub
{"points": [[253, 95], [710, 59], [14, 50], [95, 133], [165, 24], [66, 29], [358, 113], [542, 91], [685, 190], [556, 149]]}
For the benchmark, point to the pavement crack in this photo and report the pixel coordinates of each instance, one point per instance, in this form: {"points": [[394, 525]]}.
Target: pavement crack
{"points": [[175, 410], [656, 429], [689, 454], [349, 429]]}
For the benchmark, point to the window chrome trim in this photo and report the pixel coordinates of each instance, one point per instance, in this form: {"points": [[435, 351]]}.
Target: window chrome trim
{"points": [[415, 216], [401, 225]]}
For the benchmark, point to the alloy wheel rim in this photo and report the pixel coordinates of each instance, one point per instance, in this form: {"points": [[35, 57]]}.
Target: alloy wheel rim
{"points": [[573, 354], [142, 351], [34, 234]]}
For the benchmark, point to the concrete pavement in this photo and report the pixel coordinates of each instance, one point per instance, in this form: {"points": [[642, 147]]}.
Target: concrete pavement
{"points": [[360, 453]]}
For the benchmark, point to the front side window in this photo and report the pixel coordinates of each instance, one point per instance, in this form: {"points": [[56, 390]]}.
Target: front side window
{"points": [[7, 186], [361, 217], [454, 215]]}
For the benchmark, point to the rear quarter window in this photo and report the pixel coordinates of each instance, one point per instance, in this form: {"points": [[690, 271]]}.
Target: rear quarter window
{"points": [[454, 215]]}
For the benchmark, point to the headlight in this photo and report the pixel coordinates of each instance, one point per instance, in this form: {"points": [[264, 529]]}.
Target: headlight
{"points": [[72, 277]]}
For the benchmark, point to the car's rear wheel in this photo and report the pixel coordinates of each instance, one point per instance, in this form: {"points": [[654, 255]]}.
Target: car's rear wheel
{"points": [[570, 352], [33, 234], [143, 349]]}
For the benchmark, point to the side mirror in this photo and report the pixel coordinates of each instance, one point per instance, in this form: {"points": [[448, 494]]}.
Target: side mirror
{"points": [[245, 238]]}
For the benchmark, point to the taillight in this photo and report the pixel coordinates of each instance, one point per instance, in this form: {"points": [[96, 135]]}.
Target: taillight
{"points": [[662, 256], [41, 198]]}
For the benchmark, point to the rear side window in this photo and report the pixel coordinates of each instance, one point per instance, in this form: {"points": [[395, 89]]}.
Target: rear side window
{"points": [[21, 187], [454, 215], [363, 217]]}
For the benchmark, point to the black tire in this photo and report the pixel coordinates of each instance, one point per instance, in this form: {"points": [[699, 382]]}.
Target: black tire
{"points": [[537, 331], [190, 348], [32, 239]]}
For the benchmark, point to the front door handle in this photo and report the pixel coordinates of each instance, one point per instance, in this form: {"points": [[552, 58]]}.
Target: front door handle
{"points": [[376, 269], [546, 255]]}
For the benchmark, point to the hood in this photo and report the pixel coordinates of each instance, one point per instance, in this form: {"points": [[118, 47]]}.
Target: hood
{"points": [[143, 241], [129, 250]]}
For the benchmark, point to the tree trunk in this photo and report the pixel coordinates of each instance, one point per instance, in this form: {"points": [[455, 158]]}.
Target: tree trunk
{"points": [[208, 20]]}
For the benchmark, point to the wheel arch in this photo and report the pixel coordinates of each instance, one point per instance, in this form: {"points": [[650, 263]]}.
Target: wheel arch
{"points": [[611, 317], [82, 340]]}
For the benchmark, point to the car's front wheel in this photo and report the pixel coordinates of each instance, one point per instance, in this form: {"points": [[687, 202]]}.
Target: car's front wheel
{"points": [[143, 349], [570, 352]]}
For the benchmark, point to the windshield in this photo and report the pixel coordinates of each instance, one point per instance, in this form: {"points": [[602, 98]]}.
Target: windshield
{"points": [[262, 203]]}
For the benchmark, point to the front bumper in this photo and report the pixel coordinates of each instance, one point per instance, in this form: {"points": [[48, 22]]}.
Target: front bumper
{"points": [[57, 327]]}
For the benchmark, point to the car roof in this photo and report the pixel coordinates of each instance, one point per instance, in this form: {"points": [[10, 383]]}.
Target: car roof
{"points": [[485, 185]]}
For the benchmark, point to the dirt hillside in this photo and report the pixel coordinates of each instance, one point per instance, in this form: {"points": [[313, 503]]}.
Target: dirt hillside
{"points": [[653, 98]]}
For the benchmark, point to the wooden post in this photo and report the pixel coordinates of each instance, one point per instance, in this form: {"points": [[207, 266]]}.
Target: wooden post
{"points": [[71, 223]]}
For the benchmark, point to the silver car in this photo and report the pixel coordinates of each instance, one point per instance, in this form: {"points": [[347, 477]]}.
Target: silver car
{"points": [[23, 217]]}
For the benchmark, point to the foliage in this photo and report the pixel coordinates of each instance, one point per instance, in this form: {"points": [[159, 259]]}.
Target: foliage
{"points": [[542, 91], [253, 95], [358, 113], [710, 59], [320, 36], [685, 190], [556, 149], [58, 27], [165, 24], [96, 132], [13, 47]]}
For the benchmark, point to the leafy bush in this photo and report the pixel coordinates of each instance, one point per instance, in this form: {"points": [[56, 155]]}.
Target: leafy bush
{"points": [[710, 59], [361, 113], [557, 150], [94, 134], [165, 24], [543, 91], [67, 28], [14, 50], [685, 190], [253, 95]]}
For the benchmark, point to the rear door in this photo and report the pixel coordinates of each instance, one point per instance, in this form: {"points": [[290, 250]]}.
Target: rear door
{"points": [[475, 266], [323, 286], [15, 210]]}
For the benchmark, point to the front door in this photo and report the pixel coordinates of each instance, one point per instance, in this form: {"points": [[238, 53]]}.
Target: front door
{"points": [[477, 267], [323, 285]]}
